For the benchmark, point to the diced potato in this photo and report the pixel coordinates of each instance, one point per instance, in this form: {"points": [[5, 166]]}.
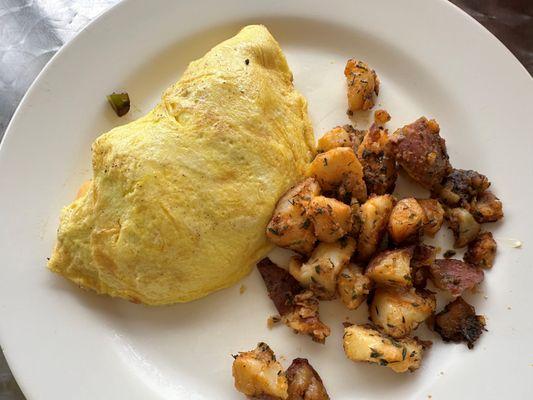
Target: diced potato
{"points": [[405, 221], [391, 267], [363, 84], [257, 373], [375, 213], [290, 227], [433, 216], [304, 317], [379, 165], [398, 311], [339, 170], [362, 343], [487, 208], [463, 225], [341, 136], [353, 286], [481, 251], [320, 272], [332, 219]]}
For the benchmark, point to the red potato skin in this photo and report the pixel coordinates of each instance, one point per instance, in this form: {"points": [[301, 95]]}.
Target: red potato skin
{"points": [[421, 152], [455, 276]]}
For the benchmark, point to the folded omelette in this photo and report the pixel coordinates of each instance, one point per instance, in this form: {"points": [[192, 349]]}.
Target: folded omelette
{"points": [[180, 198]]}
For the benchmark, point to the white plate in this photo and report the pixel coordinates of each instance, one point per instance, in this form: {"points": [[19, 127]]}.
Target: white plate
{"points": [[64, 343]]}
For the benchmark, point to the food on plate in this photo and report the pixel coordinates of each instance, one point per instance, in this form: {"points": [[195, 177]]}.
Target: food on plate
{"points": [[259, 375], [332, 219], [455, 276], [304, 382], [341, 136], [319, 273], [463, 225], [391, 267], [338, 170], [358, 242], [366, 344], [487, 208], [353, 286], [374, 214], [458, 322], [421, 152], [180, 198], [363, 84], [461, 187], [423, 257], [481, 251], [374, 152], [398, 311], [290, 226], [406, 220], [298, 308], [433, 216], [120, 102]]}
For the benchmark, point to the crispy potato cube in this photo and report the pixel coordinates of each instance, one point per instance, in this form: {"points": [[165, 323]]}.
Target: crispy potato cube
{"points": [[363, 84], [433, 216], [320, 272], [391, 267], [332, 219], [406, 219], [341, 136], [340, 171], [398, 311], [257, 373], [353, 286], [374, 213], [290, 227], [481, 251], [362, 343], [463, 225]]}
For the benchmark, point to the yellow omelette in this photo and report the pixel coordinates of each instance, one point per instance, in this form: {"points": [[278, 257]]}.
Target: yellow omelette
{"points": [[180, 198]]}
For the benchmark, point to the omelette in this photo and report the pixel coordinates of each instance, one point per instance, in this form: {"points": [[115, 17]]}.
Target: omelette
{"points": [[180, 198]]}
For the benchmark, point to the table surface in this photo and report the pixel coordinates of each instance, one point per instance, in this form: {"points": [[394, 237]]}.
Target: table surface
{"points": [[31, 31]]}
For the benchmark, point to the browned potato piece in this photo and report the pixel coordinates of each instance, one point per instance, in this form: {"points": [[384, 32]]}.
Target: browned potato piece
{"points": [[463, 225], [257, 373], [487, 208], [353, 286], [481, 251], [362, 83], [398, 311], [433, 216], [331, 218], [375, 213], [339, 170], [458, 322], [304, 382], [290, 227], [363, 343], [423, 257], [405, 221], [341, 136], [378, 162], [381, 117], [391, 267], [421, 152], [320, 272], [460, 187], [305, 319]]}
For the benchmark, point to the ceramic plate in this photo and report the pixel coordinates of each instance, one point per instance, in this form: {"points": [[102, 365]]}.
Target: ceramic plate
{"points": [[433, 60]]}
